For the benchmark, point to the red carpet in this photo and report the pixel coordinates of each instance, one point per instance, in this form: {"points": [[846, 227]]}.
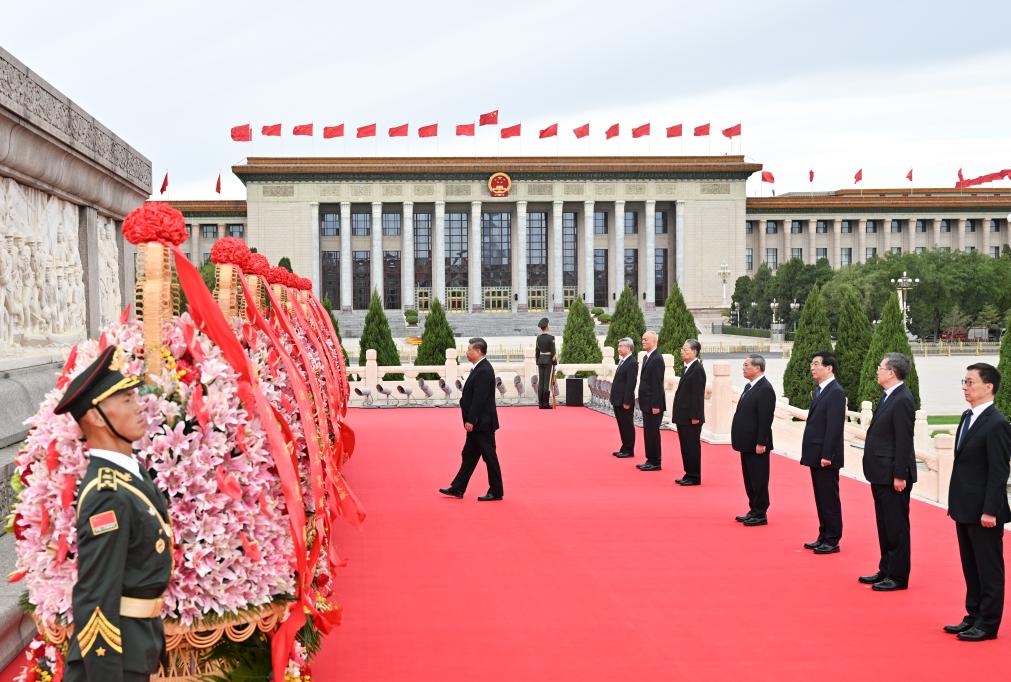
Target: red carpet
{"points": [[592, 570]]}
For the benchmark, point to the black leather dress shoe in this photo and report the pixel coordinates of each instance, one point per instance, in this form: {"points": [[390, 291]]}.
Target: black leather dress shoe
{"points": [[489, 498], [452, 492], [741, 519], [975, 634], [826, 548], [623, 455], [648, 467], [871, 579], [889, 585], [813, 545], [686, 481], [966, 624], [757, 521]]}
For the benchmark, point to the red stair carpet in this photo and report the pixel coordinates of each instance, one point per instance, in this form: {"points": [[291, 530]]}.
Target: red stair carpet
{"points": [[592, 570]]}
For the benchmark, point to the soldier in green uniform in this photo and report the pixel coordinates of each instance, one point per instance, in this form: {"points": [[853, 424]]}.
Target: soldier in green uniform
{"points": [[546, 357], [124, 540]]}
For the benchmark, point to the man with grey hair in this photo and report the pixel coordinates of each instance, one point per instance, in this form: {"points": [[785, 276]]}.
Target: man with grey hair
{"points": [[689, 412], [751, 435], [623, 396], [890, 467], [652, 400]]}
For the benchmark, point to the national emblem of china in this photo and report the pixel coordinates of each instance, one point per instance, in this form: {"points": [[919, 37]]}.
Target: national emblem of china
{"points": [[499, 185]]}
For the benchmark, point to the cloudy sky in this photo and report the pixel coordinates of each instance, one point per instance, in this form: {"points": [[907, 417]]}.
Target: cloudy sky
{"points": [[883, 86]]}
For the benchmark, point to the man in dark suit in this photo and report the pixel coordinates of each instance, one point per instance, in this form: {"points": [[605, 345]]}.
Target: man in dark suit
{"points": [[546, 358], [480, 421], [977, 501], [689, 412], [623, 396], [822, 450], [751, 435], [652, 400], [890, 467]]}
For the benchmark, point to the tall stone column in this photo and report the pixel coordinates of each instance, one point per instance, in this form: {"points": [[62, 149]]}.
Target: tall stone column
{"points": [[557, 297], [314, 256], [960, 236], [87, 235], [760, 256], [618, 258], [439, 253], [936, 230], [345, 231], [986, 234], [836, 243], [522, 257], [679, 243], [812, 248], [861, 255], [127, 267], [586, 276], [787, 241], [910, 240], [407, 257], [650, 227], [886, 230], [474, 259], [377, 249]]}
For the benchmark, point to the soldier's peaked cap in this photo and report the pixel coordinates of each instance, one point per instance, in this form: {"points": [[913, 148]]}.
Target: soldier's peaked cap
{"points": [[96, 383]]}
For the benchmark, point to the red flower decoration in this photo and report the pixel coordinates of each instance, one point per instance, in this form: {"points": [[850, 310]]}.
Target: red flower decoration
{"points": [[230, 251], [155, 222], [276, 275], [256, 264], [306, 284]]}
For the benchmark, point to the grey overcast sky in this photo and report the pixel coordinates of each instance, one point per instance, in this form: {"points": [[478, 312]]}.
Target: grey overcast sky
{"points": [[883, 86]]}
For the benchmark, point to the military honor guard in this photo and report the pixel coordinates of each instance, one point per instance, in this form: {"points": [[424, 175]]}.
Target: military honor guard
{"points": [[626, 374], [124, 539], [546, 359], [822, 450], [751, 435]]}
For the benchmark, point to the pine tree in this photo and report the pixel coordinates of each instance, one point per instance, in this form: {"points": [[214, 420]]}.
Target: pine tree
{"points": [[853, 342], [627, 320], [376, 335], [812, 336], [328, 306], [678, 326], [579, 342], [285, 263], [889, 337], [435, 340], [1003, 398]]}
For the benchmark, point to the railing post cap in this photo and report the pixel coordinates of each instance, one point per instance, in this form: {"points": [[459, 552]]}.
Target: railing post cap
{"points": [[944, 440], [865, 405], [370, 354]]}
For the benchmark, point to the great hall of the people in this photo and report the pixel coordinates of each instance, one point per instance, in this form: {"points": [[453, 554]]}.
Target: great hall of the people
{"points": [[531, 233]]}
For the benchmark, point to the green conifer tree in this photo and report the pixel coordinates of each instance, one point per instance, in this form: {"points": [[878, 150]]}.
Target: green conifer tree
{"points": [[678, 326], [376, 334], [627, 320], [852, 343], [285, 263], [328, 306], [812, 336], [1003, 399], [579, 342], [435, 340], [889, 337]]}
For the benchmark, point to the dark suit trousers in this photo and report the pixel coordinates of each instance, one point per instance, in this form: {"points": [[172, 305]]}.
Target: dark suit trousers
{"points": [[755, 468], [689, 435], [479, 444], [651, 435], [75, 673], [891, 510], [544, 385], [626, 428], [825, 482], [982, 551]]}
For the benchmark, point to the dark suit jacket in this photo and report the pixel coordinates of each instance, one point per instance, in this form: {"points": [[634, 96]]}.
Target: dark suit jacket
{"points": [[477, 404], [823, 433], [979, 476], [752, 423], [623, 385], [888, 449], [690, 396], [651, 391]]}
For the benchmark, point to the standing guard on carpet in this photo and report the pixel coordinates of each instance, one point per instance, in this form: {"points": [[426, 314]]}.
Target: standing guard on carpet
{"points": [[547, 358], [124, 540]]}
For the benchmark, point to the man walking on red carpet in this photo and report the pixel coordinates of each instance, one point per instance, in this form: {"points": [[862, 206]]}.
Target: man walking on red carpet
{"points": [[480, 421], [822, 450], [977, 502]]}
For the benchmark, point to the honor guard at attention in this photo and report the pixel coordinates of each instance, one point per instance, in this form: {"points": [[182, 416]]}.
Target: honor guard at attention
{"points": [[546, 358], [124, 540]]}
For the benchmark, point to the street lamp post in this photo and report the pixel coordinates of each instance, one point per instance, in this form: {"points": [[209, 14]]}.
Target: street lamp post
{"points": [[754, 307], [774, 306], [794, 307], [903, 285], [724, 273]]}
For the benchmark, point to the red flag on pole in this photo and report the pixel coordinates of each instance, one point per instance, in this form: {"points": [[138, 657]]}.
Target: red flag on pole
{"points": [[489, 119], [810, 175], [859, 176], [961, 178], [702, 130], [242, 133], [465, 130], [611, 132], [641, 130], [550, 131], [909, 175], [582, 131], [399, 131], [429, 130], [511, 131], [333, 131], [732, 131], [164, 184], [674, 131], [271, 131], [304, 129], [217, 187], [367, 131], [768, 177]]}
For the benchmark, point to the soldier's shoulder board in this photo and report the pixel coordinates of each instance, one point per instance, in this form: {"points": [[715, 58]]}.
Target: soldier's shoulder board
{"points": [[105, 522]]}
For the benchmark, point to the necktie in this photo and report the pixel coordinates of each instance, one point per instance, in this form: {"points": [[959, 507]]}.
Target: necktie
{"points": [[746, 389], [884, 397], [966, 423], [817, 391]]}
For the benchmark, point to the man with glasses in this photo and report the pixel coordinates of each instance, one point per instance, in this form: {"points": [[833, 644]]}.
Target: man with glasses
{"points": [[689, 412], [751, 435], [890, 467], [623, 397], [822, 450], [977, 502]]}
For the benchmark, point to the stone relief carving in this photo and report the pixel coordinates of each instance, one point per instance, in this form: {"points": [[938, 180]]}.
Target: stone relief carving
{"points": [[278, 190], [714, 188], [108, 273]]}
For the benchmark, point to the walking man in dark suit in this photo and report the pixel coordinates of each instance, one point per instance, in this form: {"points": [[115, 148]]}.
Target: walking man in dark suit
{"points": [[822, 450], [689, 412], [890, 467], [977, 501], [546, 358], [652, 400], [623, 396], [751, 435], [480, 421]]}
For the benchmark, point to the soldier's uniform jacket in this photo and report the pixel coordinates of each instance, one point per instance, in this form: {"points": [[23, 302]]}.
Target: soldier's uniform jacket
{"points": [[545, 349], [124, 561]]}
